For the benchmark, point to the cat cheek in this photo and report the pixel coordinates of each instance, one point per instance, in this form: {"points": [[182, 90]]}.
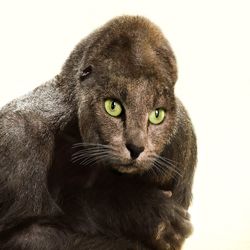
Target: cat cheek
{"points": [[157, 146], [154, 141], [116, 142]]}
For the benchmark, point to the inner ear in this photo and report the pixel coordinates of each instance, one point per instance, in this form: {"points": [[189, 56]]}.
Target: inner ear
{"points": [[86, 73]]}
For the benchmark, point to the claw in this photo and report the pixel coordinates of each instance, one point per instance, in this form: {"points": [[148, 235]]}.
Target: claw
{"points": [[168, 193], [168, 246], [160, 230]]}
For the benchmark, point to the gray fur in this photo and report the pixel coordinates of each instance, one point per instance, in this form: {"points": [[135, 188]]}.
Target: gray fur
{"points": [[132, 62]]}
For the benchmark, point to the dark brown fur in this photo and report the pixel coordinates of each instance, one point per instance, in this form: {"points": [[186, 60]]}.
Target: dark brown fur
{"points": [[48, 201]]}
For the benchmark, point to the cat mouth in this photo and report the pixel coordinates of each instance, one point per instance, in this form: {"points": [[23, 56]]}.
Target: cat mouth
{"points": [[131, 167], [129, 164]]}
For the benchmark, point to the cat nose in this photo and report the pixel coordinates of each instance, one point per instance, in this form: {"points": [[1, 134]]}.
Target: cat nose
{"points": [[134, 150]]}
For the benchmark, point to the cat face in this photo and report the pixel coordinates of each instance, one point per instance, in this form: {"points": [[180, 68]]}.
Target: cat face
{"points": [[127, 122], [126, 98]]}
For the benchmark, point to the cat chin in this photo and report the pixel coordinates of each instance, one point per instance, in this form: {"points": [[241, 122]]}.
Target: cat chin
{"points": [[129, 169]]}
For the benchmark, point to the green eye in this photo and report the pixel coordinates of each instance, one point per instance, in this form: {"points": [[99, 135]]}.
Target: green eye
{"points": [[157, 116], [113, 107]]}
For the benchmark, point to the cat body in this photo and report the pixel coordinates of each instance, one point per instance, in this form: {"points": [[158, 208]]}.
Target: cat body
{"points": [[86, 162]]}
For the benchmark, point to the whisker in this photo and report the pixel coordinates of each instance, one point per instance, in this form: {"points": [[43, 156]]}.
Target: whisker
{"points": [[88, 161], [92, 153], [154, 170], [160, 168], [168, 159], [89, 152], [84, 144], [165, 160], [87, 155], [170, 167], [162, 164], [93, 150], [94, 160], [174, 169]]}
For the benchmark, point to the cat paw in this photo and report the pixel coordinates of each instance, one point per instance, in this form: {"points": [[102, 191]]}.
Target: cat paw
{"points": [[172, 232]]}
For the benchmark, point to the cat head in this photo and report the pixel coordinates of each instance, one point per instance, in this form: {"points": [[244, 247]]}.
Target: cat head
{"points": [[126, 102]]}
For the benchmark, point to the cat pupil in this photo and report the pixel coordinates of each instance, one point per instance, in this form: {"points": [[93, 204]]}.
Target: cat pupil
{"points": [[113, 105], [156, 113]]}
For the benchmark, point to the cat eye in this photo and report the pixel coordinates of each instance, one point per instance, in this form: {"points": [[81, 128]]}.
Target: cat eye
{"points": [[113, 108], [157, 116], [86, 73]]}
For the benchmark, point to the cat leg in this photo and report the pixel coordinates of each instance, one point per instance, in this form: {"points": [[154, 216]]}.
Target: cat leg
{"points": [[174, 228], [26, 151], [101, 242], [42, 234]]}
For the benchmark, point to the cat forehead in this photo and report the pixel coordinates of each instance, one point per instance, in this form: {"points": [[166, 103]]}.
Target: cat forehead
{"points": [[130, 89], [128, 56], [142, 62]]}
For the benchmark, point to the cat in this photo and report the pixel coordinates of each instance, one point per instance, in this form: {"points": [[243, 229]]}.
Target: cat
{"points": [[103, 155]]}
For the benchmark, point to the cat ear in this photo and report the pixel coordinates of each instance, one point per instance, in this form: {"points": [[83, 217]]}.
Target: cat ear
{"points": [[166, 55], [85, 73]]}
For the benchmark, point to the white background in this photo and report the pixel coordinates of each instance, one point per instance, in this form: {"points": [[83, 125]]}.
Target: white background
{"points": [[211, 40]]}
